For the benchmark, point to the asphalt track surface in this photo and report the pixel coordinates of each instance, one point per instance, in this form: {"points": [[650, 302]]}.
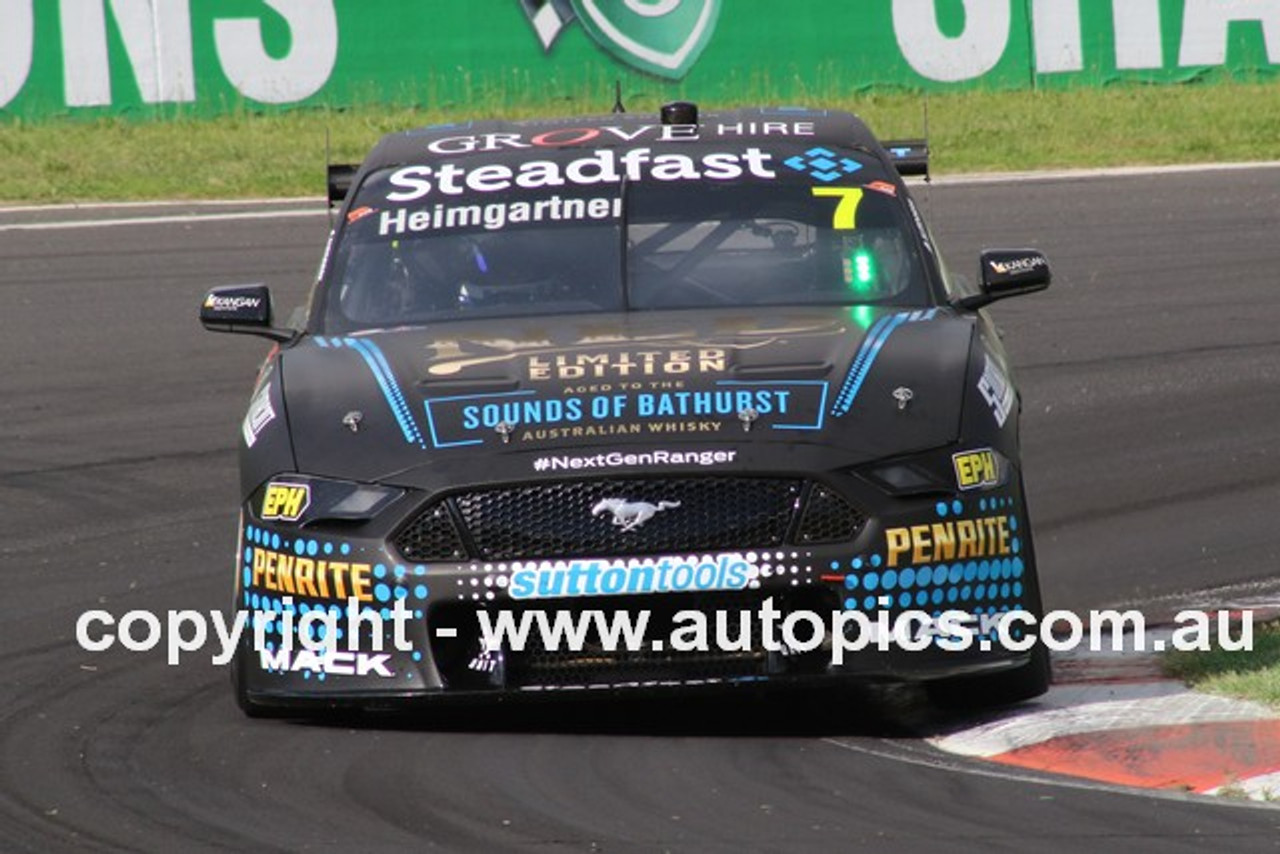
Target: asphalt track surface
{"points": [[1151, 379]]}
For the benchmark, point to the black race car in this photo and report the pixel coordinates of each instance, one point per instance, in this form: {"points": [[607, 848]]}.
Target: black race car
{"points": [[633, 402]]}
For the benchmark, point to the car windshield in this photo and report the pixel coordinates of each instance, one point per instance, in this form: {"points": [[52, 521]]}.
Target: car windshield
{"points": [[599, 231]]}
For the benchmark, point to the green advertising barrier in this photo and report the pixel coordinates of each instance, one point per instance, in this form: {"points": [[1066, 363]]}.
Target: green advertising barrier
{"points": [[205, 57]]}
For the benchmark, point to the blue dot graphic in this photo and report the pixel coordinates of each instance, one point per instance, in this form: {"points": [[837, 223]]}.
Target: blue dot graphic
{"points": [[871, 580], [1013, 523], [875, 560], [313, 548], [379, 571], [922, 597], [346, 549], [924, 575], [869, 603], [851, 582], [299, 547], [957, 508], [907, 578], [857, 563], [420, 591], [248, 576], [941, 509], [275, 541], [904, 600], [328, 548], [382, 593], [1017, 588], [401, 593], [966, 593], [851, 604], [399, 572], [938, 595], [982, 505], [1015, 545], [419, 570], [417, 656], [890, 579], [1017, 567]]}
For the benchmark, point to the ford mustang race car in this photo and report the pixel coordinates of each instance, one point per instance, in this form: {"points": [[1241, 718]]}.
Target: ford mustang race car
{"points": [[633, 402]]}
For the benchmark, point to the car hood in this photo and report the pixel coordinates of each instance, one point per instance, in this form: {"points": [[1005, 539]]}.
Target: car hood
{"points": [[463, 399]]}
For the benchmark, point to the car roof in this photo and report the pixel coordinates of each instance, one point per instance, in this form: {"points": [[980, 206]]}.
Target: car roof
{"points": [[823, 127]]}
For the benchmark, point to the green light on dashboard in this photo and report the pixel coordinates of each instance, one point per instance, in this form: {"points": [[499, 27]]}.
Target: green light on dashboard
{"points": [[864, 271]]}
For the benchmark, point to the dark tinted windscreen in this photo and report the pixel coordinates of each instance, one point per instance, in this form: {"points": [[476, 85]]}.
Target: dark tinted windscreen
{"points": [[584, 230]]}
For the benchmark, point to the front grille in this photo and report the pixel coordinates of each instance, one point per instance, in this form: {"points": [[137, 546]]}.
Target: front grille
{"points": [[458, 658], [566, 519], [828, 518]]}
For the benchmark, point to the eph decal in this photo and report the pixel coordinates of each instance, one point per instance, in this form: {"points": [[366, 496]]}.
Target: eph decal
{"points": [[603, 167], [960, 539], [285, 502], [977, 469], [651, 575]]}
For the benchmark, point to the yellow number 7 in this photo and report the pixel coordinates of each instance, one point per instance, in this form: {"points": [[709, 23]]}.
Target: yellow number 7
{"points": [[846, 215]]}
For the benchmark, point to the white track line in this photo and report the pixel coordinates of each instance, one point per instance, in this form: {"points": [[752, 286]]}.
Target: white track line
{"points": [[159, 220]]}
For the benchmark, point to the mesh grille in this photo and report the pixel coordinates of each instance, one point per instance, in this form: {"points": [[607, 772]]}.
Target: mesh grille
{"points": [[566, 519], [432, 536], [828, 518]]}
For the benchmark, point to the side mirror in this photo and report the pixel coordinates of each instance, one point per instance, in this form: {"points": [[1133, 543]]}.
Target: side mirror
{"points": [[244, 309], [1008, 273]]}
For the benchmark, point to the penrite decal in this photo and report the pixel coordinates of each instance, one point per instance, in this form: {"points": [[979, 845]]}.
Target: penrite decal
{"points": [[662, 37]]}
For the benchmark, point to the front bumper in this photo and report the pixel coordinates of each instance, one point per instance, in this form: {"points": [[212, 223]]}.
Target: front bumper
{"points": [[926, 555]]}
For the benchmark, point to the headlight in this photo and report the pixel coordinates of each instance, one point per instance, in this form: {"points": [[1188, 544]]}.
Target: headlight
{"points": [[944, 471], [304, 500]]}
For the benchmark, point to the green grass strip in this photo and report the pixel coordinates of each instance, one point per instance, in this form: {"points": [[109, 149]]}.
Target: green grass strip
{"points": [[1251, 675], [247, 155]]}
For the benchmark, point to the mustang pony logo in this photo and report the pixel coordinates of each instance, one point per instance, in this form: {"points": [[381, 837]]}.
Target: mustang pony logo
{"points": [[662, 37], [629, 515]]}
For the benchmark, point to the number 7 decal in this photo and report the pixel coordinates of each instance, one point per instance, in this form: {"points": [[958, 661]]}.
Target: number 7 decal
{"points": [[846, 215]]}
